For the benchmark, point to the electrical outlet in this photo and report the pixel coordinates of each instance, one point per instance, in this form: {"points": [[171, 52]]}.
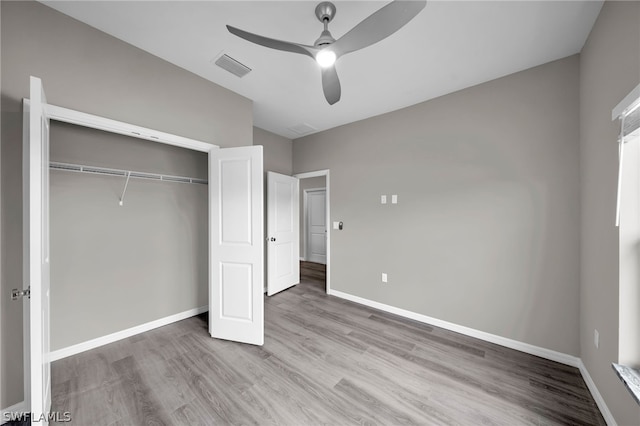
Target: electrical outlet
{"points": [[383, 199], [384, 277], [596, 339]]}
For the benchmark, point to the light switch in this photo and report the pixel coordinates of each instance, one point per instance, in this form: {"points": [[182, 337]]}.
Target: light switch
{"points": [[336, 225], [383, 199], [384, 277], [394, 199]]}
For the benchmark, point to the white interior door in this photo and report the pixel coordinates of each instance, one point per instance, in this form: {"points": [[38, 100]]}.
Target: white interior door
{"points": [[236, 279], [283, 232], [36, 250], [317, 226]]}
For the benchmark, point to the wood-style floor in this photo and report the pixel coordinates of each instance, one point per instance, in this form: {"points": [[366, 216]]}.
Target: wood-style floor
{"points": [[324, 361]]}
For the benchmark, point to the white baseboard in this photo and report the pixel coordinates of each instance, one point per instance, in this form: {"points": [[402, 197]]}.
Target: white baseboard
{"points": [[549, 354], [6, 414], [608, 417], [123, 334]]}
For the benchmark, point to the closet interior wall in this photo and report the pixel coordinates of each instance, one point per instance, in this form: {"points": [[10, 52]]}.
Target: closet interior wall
{"points": [[114, 267]]}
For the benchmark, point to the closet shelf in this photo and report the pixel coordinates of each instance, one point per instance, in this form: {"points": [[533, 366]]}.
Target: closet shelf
{"points": [[123, 173]]}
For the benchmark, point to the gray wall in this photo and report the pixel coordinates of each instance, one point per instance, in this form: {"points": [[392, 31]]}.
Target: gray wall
{"points": [[486, 232], [87, 70], [114, 267], [309, 183], [277, 151], [609, 70]]}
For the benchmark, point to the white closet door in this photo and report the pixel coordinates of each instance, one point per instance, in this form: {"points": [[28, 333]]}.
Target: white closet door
{"points": [[36, 250], [236, 287], [283, 232]]}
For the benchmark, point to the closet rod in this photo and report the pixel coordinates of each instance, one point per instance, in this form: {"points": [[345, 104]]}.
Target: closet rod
{"points": [[123, 173]]}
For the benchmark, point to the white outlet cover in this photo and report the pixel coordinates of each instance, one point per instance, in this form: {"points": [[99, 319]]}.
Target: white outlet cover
{"points": [[394, 199], [384, 277], [383, 199]]}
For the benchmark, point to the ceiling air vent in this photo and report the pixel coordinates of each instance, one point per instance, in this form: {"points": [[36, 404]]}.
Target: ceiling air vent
{"points": [[302, 129], [236, 68]]}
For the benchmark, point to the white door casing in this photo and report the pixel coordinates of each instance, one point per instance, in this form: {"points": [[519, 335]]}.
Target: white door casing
{"points": [[316, 250], [36, 250], [236, 297], [283, 232]]}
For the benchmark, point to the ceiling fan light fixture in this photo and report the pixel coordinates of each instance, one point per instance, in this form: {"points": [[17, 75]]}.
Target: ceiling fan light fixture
{"points": [[326, 58]]}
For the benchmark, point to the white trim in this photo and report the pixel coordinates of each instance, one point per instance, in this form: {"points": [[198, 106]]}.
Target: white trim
{"points": [[26, 305], [316, 173], [303, 220], [327, 183], [629, 102], [608, 417], [552, 355], [5, 413], [113, 126], [123, 334]]}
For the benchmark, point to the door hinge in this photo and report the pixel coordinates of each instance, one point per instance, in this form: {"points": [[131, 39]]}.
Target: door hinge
{"points": [[17, 294]]}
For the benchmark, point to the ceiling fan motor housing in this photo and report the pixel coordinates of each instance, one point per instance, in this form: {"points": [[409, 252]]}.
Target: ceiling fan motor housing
{"points": [[325, 11], [324, 39]]}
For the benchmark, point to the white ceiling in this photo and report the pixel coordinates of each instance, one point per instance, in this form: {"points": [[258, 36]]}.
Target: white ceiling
{"points": [[450, 45]]}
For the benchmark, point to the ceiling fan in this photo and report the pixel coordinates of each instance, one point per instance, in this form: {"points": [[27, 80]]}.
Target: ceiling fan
{"points": [[327, 50]]}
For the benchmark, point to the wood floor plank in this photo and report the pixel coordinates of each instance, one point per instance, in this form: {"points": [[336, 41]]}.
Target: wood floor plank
{"points": [[140, 400], [438, 397], [325, 361], [96, 406]]}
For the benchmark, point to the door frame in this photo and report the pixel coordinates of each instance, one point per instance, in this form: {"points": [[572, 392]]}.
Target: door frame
{"points": [[317, 173], [83, 119], [305, 224]]}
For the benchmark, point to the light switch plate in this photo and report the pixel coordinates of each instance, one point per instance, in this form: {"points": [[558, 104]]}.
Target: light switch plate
{"points": [[384, 277], [394, 199], [383, 199]]}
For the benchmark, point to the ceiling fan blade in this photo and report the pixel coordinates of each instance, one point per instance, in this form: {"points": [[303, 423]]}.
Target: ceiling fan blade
{"points": [[331, 85], [274, 44], [378, 26]]}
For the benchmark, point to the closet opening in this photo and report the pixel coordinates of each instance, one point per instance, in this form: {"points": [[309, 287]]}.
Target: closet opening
{"points": [[129, 233], [234, 237]]}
